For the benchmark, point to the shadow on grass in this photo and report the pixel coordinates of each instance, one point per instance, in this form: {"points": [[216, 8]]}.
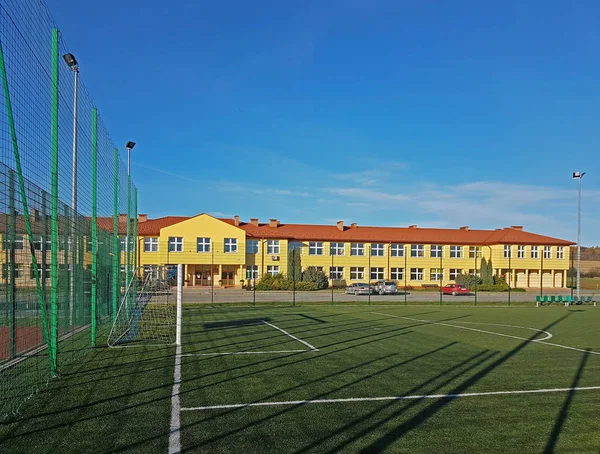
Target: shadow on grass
{"points": [[563, 413]]}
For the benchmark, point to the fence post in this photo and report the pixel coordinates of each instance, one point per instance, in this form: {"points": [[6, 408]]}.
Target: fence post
{"points": [[135, 244], [509, 272], [116, 283], [10, 265], [405, 274], [442, 271]]}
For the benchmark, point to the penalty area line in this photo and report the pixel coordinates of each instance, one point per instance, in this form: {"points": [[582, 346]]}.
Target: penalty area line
{"points": [[247, 353], [391, 398], [312, 347]]}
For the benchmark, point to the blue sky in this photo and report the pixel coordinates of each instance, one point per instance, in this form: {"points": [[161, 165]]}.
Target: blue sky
{"points": [[435, 113]]}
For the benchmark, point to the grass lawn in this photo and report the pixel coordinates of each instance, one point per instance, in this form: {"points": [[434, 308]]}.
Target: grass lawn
{"points": [[590, 283], [335, 379]]}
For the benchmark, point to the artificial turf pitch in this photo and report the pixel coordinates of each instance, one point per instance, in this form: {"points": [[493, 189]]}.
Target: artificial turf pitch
{"points": [[336, 379]]}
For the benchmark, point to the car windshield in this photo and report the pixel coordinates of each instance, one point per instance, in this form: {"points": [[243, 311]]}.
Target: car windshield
{"points": [[389, 283]]}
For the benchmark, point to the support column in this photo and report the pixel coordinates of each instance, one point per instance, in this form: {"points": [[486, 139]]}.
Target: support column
{"points": [[94, 221], [54, 203], [564, 279], [527, 283], [220, 274], [116, 284]]}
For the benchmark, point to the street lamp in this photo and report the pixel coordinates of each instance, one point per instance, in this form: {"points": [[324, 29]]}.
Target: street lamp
{"points": [[73, 65], [578, 176], [129, 147]]}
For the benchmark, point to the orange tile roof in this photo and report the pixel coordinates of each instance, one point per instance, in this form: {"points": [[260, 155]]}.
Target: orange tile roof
{"points": [[308, 232]]}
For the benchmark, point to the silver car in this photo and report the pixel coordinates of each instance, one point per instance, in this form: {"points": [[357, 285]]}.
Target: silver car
{"points": [[385, 287], [358, 288]]}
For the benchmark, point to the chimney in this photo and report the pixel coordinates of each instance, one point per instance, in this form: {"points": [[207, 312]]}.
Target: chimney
{"points": [[414, 226], [353, 225], [254, 221], [340, 225], [142, 217], [236, 220], [464, 227], [273, 223], [517, 227], [123, 217]]}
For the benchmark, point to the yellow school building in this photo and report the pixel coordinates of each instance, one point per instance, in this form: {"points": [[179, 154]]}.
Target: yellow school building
{"points": [[233, 253]]}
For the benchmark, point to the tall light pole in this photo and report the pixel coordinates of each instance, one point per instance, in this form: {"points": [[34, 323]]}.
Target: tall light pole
{"points": [[129, 146], [73, 65], [578, 176]]}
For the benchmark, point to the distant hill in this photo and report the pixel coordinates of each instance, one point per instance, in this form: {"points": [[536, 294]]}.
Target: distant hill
{"points": [[587, 253]]}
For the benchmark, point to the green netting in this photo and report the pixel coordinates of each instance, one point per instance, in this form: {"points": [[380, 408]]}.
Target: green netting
{"points": [[62, 273]]}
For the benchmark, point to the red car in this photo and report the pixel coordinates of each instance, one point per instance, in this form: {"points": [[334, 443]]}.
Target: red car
{"points": [[455, 289]]}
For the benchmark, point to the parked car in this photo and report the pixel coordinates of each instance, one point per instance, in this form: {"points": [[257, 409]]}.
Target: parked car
{"points": [[385, 287], [358, 288], [455, 289]]}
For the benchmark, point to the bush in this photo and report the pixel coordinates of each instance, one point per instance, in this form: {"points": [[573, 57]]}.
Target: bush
{"points": [[280, 282], [469, 280], [319, 278]]}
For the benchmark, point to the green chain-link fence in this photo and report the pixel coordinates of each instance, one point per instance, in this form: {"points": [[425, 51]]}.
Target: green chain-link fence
{"points": [[63, 270]]}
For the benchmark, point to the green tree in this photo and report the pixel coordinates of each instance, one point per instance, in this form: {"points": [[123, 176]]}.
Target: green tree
{"points": [[318, 277], [294, 265]]}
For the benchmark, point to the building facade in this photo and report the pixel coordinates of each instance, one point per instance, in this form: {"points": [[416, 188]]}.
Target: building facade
{"points": [[232, 253]]}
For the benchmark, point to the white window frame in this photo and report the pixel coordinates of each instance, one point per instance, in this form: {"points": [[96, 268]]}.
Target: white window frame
{"points": [[315, 248], [377, 250], [397, 250], [357, 249], [417, 250], [436, 274], [273, 270], [205, 244], [336, 272], [520, 252], [416, 274], [474, 252], [547, 252], [254, 272], [357, 273], [273, 247], [534, 252], [454, 272], [151, 244], [377, 273], [436, 251], [337, 248], [230, 245], [560, 252], [507, 251], [251, 246], [456, 252], [397, 274], [175, 244]]}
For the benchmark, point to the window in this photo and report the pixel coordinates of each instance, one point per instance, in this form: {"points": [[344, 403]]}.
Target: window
{"points": [[315, 248], [273, 247], [547, 252], [416, 274], [397, 273], [417, 250], [150, 244], [521, 252], [336, 272], [456, 252], [38, 243], [357, 249], [230, 245], [336, 248], [123, 243], [18, 270], [252, 272], [474, 252], [436, 274], [18, 242], [436, 251], [315, 268], [202, 244], [507, 251], [273, 270], [534, 252], [560, 252], [376, 274], [454, 272], [251, 246], [357, 272], [474, 272], [39, 268], [397, 250], [377, 250], [175, 244]]}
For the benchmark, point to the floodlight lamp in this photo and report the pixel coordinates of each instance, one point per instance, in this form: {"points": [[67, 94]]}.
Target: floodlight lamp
{"points": [[130, 145], [578, 175], [71, 61]]}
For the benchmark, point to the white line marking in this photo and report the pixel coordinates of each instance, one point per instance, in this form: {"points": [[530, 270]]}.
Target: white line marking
{"points": [[292, 336], [246, 353], [174, 433], [540, 341], [391, 398], [547, 333]]}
